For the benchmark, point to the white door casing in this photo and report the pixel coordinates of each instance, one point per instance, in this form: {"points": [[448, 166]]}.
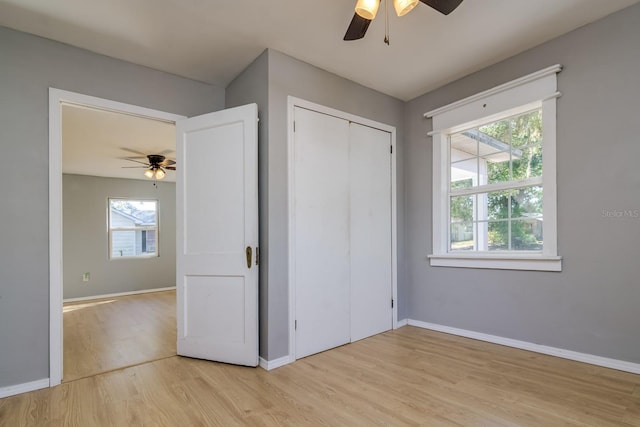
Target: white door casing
{"points": [[216, 224], [57, 98]]}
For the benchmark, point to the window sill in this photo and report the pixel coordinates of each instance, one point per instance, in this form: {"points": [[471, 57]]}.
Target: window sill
{"points": [[530, 262], [130, 257]]}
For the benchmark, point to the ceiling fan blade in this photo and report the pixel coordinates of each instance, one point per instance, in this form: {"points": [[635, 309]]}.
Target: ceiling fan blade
{"points": [[443, 6], [131, 150], [357, 28], [167, 151], [167, 162], [132, 159], [171, 168], [134, 167]]}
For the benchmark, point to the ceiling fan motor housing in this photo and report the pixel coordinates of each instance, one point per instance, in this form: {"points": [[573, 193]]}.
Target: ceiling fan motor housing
{"points": [[155, 159]]}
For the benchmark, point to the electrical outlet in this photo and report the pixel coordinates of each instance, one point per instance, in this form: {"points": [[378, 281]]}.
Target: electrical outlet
{"points": [[86, 277]]}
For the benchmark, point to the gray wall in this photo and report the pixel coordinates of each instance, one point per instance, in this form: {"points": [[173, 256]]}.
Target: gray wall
{"points": [[252, 86], [29, 66], [85, 238], [289, 76], [592, 305]]}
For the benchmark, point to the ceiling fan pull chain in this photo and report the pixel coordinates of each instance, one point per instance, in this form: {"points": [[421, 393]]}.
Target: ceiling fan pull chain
{"points": [[386, 22]]}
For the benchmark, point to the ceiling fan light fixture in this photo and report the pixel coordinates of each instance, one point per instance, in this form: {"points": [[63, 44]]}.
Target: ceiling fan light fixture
{"points": [[404, 6], [160, 173], [149, 173], [368, 9]]}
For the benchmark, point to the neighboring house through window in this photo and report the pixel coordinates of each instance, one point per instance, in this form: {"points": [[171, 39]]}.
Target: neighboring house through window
{"points": [[133, 228], [494, 177]]}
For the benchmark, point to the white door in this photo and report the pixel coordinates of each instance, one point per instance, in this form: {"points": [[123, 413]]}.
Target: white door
{"points": [[216, 229], [321, 197], [342, 231], [370, 195]]}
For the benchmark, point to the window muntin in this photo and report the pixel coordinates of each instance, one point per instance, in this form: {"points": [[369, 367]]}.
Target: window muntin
{"points": [[133, 228], [495, 192]]}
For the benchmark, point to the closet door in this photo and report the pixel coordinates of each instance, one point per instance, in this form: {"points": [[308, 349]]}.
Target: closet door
{"points": [[321, 227], [370, 236]]}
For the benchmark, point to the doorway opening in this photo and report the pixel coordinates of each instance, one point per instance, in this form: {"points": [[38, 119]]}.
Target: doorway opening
{"points": [[78, 103]]}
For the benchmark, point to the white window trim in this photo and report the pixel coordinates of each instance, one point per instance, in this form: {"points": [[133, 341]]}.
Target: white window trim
{"points": [[535, 90]]}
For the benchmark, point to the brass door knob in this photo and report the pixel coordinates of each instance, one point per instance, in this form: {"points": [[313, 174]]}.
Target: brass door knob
{"points": [[249, 254]]}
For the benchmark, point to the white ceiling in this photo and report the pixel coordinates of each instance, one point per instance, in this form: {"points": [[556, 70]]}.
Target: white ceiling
{"points": [[214, 40], [98, 143]]}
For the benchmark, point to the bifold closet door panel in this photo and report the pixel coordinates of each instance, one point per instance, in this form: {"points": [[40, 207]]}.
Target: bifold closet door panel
{"points": [[370, 206], [321, 224]]}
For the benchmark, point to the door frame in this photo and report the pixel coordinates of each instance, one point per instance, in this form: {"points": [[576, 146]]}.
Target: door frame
{"points": [[57, 98], [292, 103]]}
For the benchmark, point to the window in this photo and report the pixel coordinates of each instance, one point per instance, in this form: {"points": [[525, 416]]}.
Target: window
{"points": [[494, 189], [495, 186], [133, 228]]}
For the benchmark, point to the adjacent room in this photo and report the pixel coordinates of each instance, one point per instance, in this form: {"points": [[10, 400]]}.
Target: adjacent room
{"points": [[374, 212], [118, 240]]}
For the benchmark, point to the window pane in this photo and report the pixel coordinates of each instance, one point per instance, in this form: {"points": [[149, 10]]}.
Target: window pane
{"points": [[498, 236], [132, 213], [526, 203], [461, 209], [461, 231], [527, 129], [527, 162], [497, 167], [498, 134], [462, 147], [464, 174], [497, 205], [123, 243], [461, 236], [463, 183], [497, 152], [149, 243], [130, 243], [526, 235], [149, 213]]}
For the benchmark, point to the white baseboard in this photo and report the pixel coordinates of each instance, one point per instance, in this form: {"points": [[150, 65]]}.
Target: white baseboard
{"points": [[401, 323], [276, 363], [12, 390], [119, 294], [606, 362]]}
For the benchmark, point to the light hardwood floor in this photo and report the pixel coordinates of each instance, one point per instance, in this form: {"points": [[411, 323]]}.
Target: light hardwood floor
{"points": [[111, 333], [405, 377]]}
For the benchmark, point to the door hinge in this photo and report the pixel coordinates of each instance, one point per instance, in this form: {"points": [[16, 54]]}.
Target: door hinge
{"points": [[294, 126], [257, 256], [295, 325], [391, 147], [392, 303]]}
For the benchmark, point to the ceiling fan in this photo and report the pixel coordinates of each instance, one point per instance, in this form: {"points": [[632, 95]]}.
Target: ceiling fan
{"points": [[157, 165], [366, 11]]}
